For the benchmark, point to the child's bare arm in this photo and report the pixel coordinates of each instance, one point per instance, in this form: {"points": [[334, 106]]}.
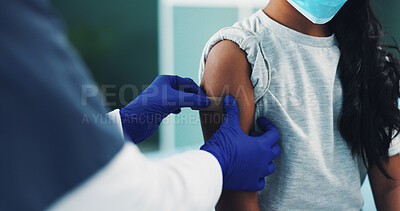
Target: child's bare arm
{"points": [[228, 72], [386, 191]]}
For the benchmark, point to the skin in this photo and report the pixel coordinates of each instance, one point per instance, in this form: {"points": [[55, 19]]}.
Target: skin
{"points": [[228, 72], [386, 192], [283, 12]]}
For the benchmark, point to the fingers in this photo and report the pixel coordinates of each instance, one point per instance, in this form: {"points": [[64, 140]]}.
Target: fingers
{"points": [[276, 149], [261, 184], [231, 110], [265, 124], [271, 133], [255, 134], [187, 85], [269, 169], [189, 93]]}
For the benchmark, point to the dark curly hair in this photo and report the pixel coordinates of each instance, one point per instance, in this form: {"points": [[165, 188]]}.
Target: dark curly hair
{"points": [[370, 74]]}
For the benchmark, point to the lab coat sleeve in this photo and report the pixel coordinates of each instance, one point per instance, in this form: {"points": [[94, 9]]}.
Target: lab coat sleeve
{"points": [[188, 181]]}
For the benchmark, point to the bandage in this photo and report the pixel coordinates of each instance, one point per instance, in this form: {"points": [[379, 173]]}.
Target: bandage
{"points": [[217, 105]]}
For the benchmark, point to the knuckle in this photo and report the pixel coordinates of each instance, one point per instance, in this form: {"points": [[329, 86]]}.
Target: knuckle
{"points": [[276, 134], [277, 152], [271, 167], [261, 184]]}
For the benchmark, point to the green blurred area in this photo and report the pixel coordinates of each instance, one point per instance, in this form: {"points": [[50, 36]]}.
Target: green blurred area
{"points": [[389, 14], [187, 56], [118, 41]]}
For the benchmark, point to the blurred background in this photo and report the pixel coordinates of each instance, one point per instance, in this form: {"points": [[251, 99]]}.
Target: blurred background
{"points": [[126, 44]]}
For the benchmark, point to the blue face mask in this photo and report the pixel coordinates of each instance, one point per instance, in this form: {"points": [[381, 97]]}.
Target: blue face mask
{"points": [[318, 11]]}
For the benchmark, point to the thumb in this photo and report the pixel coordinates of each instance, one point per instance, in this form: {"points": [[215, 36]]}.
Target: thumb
{"points": [[255, 134], [270, 131], [265, 124], [231, 110]]}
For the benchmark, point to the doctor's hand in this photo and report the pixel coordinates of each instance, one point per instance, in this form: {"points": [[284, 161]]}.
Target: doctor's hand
{"points": [[166, 95], [245, 160]]}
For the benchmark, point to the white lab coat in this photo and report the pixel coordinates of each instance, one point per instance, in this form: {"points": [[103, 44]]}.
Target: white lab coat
{"points": [[189, 181]]}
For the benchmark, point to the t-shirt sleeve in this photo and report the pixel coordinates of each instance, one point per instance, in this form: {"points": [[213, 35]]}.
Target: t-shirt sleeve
{"points": [[394, 148], [251, 44]]}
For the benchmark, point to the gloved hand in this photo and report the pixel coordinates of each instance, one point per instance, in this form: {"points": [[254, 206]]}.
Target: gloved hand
{"points": [[166, 95], [245, 160]]}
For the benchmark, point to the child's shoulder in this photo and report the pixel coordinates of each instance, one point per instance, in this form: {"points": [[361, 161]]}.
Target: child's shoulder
{"points": [[248, 36], [252, 23], [247, 33]]}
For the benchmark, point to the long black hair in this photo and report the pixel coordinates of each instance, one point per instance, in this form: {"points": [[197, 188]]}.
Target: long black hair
{"points": [[369, 72]]}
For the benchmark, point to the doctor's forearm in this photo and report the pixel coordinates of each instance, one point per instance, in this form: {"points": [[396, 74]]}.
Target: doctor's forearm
{"points": [[194, 179], [189, 181]]}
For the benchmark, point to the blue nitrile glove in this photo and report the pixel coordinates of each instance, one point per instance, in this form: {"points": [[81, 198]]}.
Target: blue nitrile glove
{"points": [[166, 95], [245, 160]]}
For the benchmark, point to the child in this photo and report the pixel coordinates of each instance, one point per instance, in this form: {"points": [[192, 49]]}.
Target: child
{"points": [[318, 71]]}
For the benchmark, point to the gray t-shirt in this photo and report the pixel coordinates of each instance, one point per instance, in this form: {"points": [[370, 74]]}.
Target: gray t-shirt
{"points": [[296, 86]]}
